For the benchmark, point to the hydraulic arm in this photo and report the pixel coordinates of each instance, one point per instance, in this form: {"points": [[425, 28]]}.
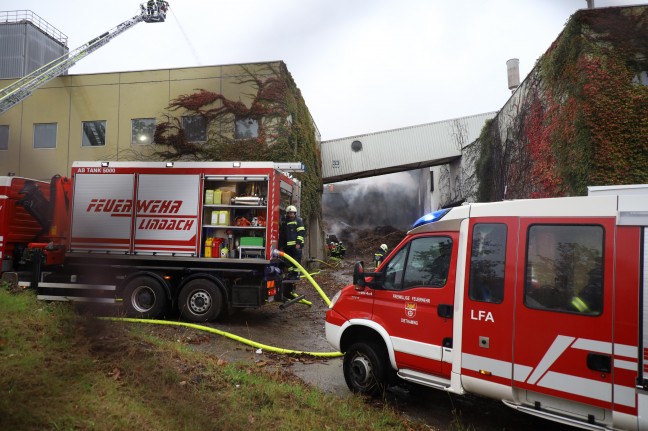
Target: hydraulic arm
{"points": [[22, 88]]}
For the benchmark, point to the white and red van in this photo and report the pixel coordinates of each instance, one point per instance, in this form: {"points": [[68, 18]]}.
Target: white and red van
{"points": [[538, 303]]}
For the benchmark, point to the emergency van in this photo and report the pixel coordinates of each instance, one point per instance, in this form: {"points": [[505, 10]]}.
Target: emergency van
{"points": [[539, 303], [157, 237]]}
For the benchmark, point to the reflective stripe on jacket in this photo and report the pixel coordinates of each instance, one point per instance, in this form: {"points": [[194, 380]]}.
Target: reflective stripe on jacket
{"points": [[294, 232]]}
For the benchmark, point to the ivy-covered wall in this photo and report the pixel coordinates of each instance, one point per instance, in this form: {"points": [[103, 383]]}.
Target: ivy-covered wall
{"points": [[580, 118], [267, 94]]}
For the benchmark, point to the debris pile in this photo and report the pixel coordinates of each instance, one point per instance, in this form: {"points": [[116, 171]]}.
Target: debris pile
{"points": [[364, 242]]}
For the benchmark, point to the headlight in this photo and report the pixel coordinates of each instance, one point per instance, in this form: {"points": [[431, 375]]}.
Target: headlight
{"points": [[335, 298]]}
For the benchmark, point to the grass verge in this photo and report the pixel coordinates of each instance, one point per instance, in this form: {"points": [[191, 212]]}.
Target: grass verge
{"points": [[60, 370]]}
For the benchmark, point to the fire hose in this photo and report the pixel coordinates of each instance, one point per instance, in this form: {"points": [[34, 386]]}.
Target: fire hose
{"points": [[236, 337]]}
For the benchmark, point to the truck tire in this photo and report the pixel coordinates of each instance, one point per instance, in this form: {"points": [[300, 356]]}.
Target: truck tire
{"points": [[200, 301], [365, 368], [144, 297]]}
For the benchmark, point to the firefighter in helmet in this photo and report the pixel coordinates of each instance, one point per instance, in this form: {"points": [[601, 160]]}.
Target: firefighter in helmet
{"points": [[379, 256], [291, 239]]}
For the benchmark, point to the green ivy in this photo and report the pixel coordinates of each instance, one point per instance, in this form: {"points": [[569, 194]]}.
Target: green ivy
{"points": [[590, 113]]}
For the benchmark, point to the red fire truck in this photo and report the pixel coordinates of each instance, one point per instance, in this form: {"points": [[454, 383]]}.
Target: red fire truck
{"points": [[539, 303], [157, 236]]}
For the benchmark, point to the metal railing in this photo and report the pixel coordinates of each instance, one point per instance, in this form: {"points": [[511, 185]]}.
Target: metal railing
{"points": [[25, 16]]}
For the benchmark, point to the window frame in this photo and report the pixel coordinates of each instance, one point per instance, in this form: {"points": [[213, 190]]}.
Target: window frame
{"points": [[135, 142], [84, 135], [36, 126], [5, 135], [253, 135], [477, 292], [401, 264], [186, 122], [593, 273]]}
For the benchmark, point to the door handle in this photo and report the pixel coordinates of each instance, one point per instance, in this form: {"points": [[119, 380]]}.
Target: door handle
{"points": [[599, 362], [445, 311]]}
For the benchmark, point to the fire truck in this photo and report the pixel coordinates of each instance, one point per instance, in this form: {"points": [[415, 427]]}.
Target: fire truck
{"points": [[539, 303], [155, 236]]}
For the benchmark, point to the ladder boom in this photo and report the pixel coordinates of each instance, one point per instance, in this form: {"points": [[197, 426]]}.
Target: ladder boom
{"points": [[23, 88]]}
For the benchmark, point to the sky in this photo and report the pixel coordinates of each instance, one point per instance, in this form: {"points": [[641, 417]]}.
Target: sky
{"points": [[363, 66]]}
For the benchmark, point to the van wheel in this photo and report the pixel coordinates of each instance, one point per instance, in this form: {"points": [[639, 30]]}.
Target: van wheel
{"points": [[365, 368], [200, 301], [144, 297]]}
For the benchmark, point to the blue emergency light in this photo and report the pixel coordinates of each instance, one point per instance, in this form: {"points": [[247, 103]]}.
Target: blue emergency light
{"points": [[431, 217]]}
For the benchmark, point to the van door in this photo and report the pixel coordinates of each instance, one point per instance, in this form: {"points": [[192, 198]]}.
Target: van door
{"points": [[489, 298], [414, 303], [563, 320]]}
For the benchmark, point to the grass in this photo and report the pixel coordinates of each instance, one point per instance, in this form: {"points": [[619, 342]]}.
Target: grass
{"points": [[60, 370]]}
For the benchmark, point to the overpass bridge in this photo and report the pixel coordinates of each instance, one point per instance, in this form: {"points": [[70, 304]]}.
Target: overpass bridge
{"points": [[400, 149]]}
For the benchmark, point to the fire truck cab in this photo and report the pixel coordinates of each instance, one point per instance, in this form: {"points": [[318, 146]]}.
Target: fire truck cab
{"points": [[538, 303]]}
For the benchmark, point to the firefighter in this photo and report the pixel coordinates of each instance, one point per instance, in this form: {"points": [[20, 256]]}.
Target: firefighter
{"points": [[291, 239], [379, 256], [590, 299], [149, 6], [162, 5]]}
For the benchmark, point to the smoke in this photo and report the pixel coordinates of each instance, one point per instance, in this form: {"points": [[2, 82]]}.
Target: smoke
{"points": [[386, 200]]}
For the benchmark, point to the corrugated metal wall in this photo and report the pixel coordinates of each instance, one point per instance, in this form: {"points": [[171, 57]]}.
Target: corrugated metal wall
{"points": [[24, 48]]}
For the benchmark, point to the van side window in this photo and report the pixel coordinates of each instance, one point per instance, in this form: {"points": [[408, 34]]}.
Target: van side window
{"points": [[564, 268], [424, 262], [487, 261], [428, 262]]}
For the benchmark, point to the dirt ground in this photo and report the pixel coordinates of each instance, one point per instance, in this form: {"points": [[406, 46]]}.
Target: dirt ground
{"points": [[301, 328]]}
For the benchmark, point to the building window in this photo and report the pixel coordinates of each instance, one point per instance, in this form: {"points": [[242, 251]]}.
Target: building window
{"points": [[142, 131], [246, 128], [195, 127], [487, 262], [94, 134], [4, 137], [564, 269], [45, 135]]}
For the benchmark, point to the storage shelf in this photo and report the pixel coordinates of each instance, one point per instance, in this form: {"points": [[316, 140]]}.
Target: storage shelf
{"points": [[234, 206], [221, 226]]}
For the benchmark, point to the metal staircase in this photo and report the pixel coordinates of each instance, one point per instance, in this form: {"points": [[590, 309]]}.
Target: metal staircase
{"points": [[23, 88]]}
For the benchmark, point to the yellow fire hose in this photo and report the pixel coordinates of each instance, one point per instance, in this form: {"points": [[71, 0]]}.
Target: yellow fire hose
{"points": [[306, 274], [228, 335], [236, 337]]}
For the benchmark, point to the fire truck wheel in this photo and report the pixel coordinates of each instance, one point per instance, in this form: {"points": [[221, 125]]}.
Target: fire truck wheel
{"points": [[144, 297], [200, 301], [365, 368]]}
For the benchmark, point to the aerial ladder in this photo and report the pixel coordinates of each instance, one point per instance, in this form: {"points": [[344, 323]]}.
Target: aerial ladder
{"points": [[21, 89]]}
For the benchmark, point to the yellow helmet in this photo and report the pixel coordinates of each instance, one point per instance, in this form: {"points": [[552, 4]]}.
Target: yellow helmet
{"points": [[291, 209]]}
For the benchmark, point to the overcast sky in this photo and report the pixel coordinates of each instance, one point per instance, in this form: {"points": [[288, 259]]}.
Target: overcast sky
{"points": [[363, 66]]}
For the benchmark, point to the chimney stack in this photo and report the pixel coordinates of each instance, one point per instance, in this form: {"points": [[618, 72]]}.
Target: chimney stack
{"points": [[513, 71], [590, 4]]}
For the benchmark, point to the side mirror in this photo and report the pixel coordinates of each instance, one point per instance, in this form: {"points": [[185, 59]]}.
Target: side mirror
{"points": [[358, 276]]}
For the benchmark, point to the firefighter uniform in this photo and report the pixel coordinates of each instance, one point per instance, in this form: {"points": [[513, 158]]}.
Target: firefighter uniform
{"points": [[293, 233], [380, 255]]}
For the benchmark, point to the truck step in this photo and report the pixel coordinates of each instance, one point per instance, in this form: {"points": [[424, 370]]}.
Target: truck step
{"points": [[567, 420], [424, 379]]}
